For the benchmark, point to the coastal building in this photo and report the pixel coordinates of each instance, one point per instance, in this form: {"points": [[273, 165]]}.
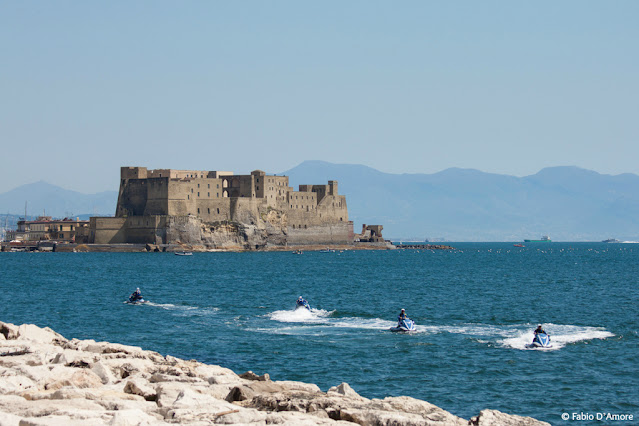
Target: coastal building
{"points": [[45, 228], [219, 209]]}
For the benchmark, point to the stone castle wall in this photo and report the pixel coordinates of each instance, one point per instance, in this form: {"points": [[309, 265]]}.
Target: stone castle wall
{"points": [[158, 207]]}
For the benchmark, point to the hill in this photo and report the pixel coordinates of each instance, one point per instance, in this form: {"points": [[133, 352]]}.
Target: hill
{"points": [[43, 198], [567, 203]]}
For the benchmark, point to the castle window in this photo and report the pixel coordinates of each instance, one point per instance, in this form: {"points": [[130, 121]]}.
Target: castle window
{"points": [[218, 186], [218, 210], [198, 185], [198, 194], [208, 194], [293, 226], [198, 211], [305, 226], [188, 197], [208, 211], [218, 195], [191, 190], [209, 185], [258, 188], [258, 180]]}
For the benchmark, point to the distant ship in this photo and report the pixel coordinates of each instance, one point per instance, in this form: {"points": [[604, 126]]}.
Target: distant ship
{"points": [[611, 240], [544, 239]]}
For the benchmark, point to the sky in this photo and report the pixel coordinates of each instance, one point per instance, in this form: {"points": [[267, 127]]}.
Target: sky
{"points": [[403, 87]]}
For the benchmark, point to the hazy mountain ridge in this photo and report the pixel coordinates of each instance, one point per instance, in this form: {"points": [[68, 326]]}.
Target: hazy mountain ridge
{"points": [[44, 198], [568, 203]]}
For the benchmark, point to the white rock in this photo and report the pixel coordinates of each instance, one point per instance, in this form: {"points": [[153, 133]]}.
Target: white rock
{"points": [[344, 389], [497, 418], [60, 358], [13, 383], [54, 420], [36, 334], [83, 378], [8, 330], [103, 372], [298, 386], [132, 418], [139, 387], [7, 419], [190, 398]]}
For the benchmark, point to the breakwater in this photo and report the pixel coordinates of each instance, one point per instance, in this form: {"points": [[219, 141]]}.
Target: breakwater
{"points": [[49, 379]]}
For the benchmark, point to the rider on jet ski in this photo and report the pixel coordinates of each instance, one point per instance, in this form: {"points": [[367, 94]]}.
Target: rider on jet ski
{"points": [[137, 295], [301, 302], [539, 330], [402, 316]]}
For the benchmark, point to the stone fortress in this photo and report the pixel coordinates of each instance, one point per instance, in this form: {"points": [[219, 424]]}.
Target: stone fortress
{"points": [[215, 209]]}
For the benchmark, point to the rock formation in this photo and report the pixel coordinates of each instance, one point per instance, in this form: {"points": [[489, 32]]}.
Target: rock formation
{"points": [[46, 379]]}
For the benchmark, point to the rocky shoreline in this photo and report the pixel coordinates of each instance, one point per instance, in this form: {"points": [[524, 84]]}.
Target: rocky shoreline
{"points": [[46, 379]]}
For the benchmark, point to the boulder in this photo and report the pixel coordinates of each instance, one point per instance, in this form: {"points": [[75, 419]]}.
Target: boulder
{"points": [[138, 387], [497, 418], [132, 417], [344, 389], [36, 334], [240, 393], [249, 375], [9, 331], [298, 386], [82, 378], [7, 419], [13, 383], [103, 372]]}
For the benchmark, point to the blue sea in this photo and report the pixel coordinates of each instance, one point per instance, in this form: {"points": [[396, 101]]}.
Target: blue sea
{"points": [[475, 307]]}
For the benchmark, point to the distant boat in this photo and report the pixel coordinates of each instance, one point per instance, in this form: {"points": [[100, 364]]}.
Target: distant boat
{"points": [[183, 253], [611, 240], [544, 239], [518, 245]]}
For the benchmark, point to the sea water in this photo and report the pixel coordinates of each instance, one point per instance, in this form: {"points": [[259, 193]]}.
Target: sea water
{"points": [[475, 309]]}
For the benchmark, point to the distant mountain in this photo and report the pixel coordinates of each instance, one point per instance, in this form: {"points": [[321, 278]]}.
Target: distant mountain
{"points": [[42, 197], [566, 203]]}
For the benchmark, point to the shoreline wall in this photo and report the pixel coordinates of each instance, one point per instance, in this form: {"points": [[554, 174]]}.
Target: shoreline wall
{"points": [[46, 379]]}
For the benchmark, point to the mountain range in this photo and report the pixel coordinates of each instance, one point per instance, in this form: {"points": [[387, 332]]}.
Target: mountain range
{"points": [[567, 203], [44, 199]]}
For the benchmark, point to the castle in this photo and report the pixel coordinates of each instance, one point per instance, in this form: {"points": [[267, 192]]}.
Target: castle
{"points": [[219, 210]]}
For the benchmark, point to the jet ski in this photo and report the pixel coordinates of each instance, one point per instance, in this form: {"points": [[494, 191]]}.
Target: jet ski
{"points": [[541, 340], [135, 300], [404, 326], [302, 304]]}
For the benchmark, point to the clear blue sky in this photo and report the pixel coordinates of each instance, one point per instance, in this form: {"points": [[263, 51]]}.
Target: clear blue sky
{"points": [[410, 86]]}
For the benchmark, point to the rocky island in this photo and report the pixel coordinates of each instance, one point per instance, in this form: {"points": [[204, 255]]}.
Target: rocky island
{"points": [[46, 379]]}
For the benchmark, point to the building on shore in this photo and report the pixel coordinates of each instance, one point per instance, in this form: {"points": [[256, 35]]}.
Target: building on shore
{"points": [[45, 228], [220, 209]]}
